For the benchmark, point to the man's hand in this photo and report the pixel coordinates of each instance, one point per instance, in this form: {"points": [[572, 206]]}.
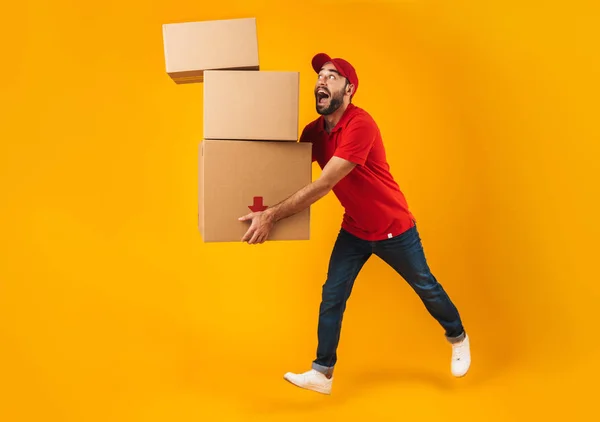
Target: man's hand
{"points": [[262, 223]]}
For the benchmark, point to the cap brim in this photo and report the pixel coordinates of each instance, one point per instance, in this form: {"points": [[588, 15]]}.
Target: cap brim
{"points": [[319, 60]]}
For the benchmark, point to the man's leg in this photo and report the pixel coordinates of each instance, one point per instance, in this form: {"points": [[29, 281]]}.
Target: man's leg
{"points": [[347, 259], [405, 254], [348, 256]]}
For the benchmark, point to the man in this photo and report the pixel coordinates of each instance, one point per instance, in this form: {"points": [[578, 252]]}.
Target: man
{"points": [[348, 147]]}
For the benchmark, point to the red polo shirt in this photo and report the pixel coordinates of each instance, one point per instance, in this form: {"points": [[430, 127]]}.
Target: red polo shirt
{"points": [[375, 208]]}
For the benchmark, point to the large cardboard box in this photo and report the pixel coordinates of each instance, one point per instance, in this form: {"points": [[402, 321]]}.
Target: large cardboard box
{"points": [[251, 105], [238, 177], [191, 48]]}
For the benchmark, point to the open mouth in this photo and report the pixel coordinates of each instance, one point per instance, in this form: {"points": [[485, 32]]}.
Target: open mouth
{"points": [[322, 96]]}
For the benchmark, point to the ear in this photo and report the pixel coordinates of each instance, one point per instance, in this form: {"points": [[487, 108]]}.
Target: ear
{"points": [[350, 89]]}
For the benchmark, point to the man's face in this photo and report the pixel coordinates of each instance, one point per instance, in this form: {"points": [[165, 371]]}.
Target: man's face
{"points": [[329, 90]]}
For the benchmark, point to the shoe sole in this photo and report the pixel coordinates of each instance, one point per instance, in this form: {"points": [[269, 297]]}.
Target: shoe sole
{"points": [[461, 375], [315, 389]]}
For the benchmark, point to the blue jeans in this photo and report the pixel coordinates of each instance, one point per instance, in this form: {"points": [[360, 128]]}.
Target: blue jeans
{"points": [[404, 253]]}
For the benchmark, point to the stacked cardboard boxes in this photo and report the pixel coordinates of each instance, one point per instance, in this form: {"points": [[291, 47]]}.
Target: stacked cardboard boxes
{"points": [[249, 157]]}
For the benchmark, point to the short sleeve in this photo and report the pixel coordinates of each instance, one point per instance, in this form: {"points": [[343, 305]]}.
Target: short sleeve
{"points": [[304, 137], [356, 141]]}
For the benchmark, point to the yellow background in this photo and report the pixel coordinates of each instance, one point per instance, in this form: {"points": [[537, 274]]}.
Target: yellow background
{"points": [[112, 308]]}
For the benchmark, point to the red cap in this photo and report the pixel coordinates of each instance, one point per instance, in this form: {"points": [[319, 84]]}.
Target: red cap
{"points": [[341, 65]]}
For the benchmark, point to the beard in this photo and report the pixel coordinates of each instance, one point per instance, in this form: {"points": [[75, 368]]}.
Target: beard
{"points": [[335, 101]]}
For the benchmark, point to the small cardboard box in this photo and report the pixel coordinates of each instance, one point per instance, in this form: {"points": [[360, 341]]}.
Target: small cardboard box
{"points": [[191, 48], [251, 105], [238, 177]]}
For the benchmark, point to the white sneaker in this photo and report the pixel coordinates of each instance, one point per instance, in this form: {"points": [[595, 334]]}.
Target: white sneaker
{"points": [[461, 357], [311, 380]]}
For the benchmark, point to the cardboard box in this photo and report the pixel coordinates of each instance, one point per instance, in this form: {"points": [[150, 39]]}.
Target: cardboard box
{"points": [[238, 177], [190, 48], [251, 105]]}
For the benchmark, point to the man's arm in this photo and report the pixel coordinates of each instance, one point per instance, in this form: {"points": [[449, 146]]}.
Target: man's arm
{"points": [[334, 171]]}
